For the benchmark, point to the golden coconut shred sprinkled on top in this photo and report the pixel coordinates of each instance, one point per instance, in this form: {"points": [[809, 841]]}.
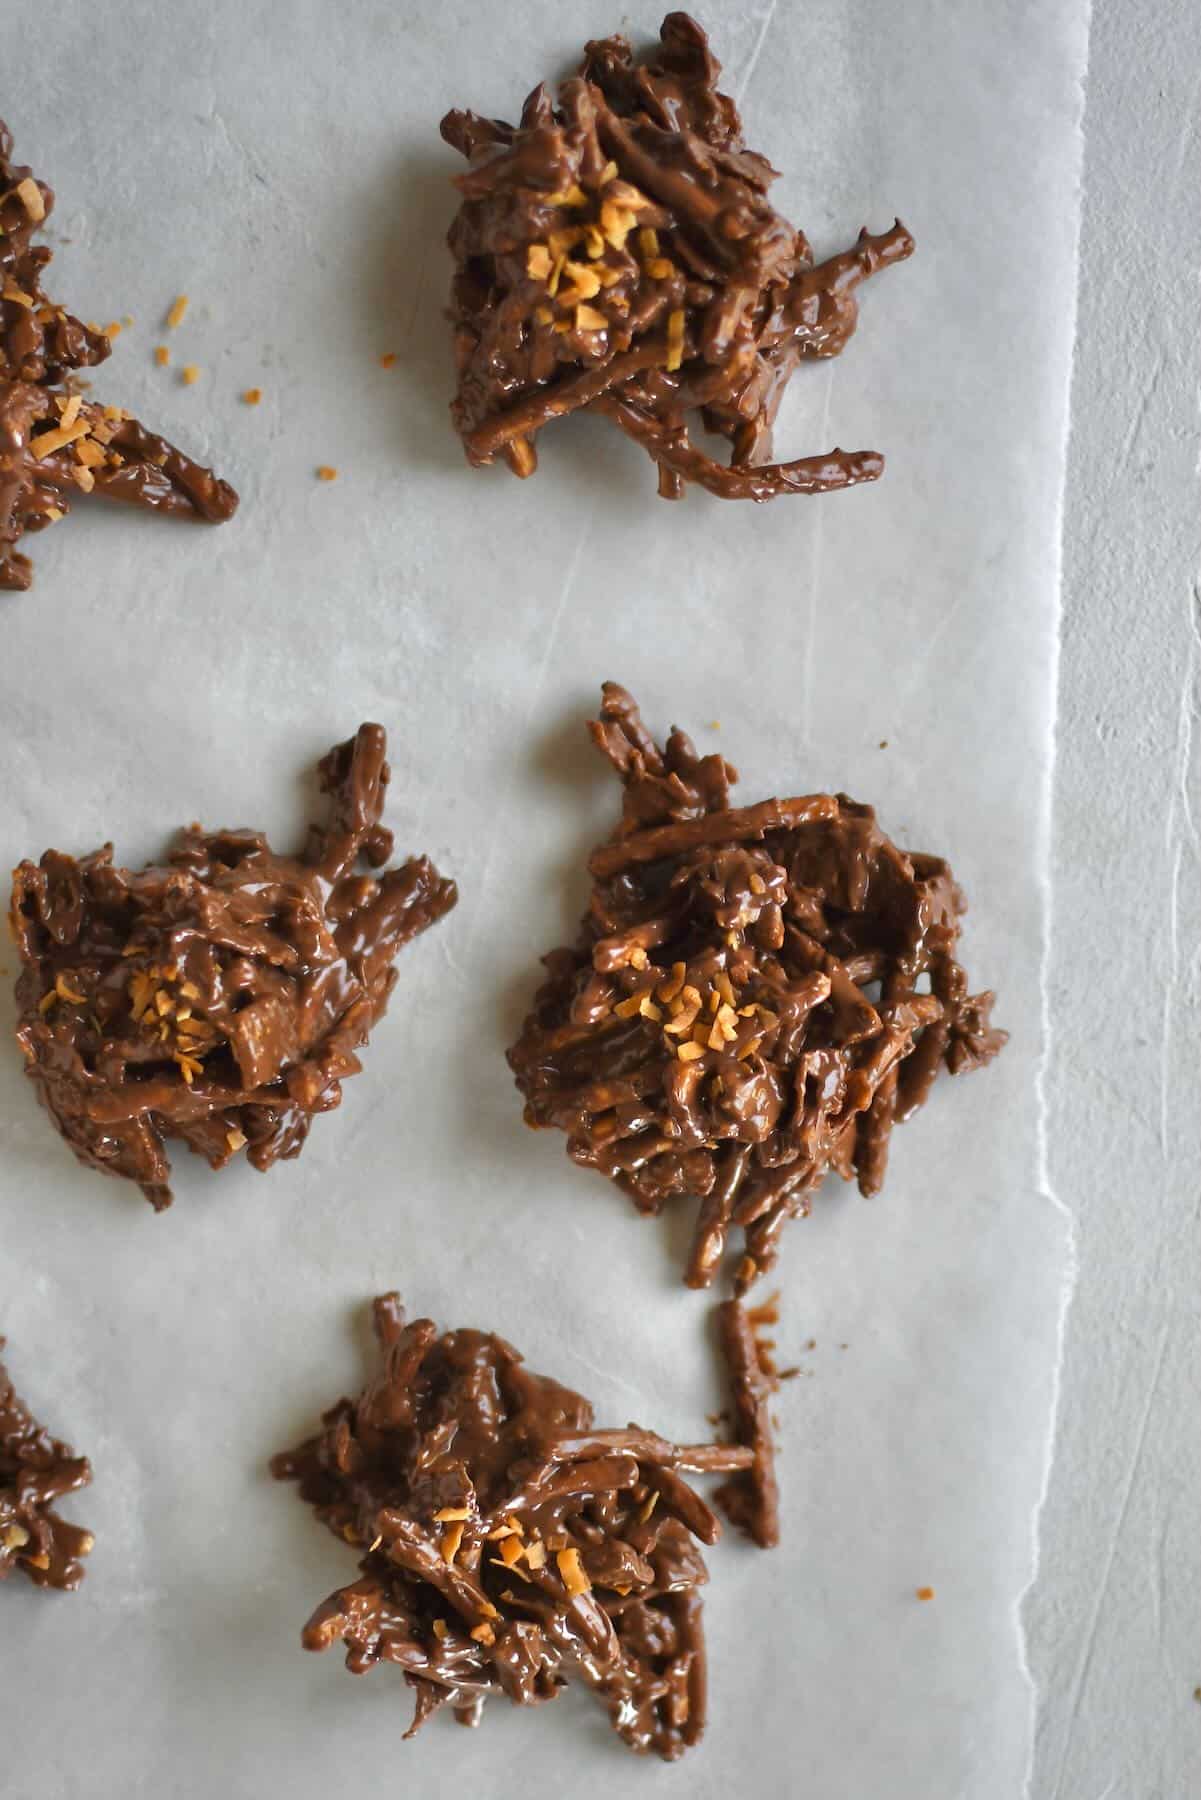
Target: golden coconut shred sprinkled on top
{"points": [[47, 442], [176, 311], [574, 1579], [452, 1537], [30, 195], [675, 339]]}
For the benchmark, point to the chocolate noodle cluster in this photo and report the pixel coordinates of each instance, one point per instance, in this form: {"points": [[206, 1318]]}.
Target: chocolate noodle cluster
{"points": [[758, 994], [508, 1545], [219, 998], [616, 252], [35, 1471], [54, 444]]}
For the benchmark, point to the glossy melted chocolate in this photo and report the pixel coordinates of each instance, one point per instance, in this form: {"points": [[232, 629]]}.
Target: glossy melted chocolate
{"points": [[757, 995], [35, 1471], [53, 443], [510, 1547], [616, 252], [219, 998]]}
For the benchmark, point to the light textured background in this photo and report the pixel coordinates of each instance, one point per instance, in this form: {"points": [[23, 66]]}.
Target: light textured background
{"points": [[474, 617], [1114, 1620]]}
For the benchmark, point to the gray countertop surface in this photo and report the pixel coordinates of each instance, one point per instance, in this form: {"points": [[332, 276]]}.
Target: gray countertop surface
{"points": [[1113, 1619]]}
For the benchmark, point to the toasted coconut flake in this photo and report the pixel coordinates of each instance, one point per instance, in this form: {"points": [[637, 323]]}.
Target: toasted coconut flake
{"points": [[452, 1537], [251, 396], [58, 438], [511, 1550], [690, 1051], [326, 472], [388, 359], [191, 374], [538, 262], [588, 319], [176, 311], [69, 410], [451, 1512], [535, 1554], [659, 269], [585, 281], [17, 295], [483, 1634], [30, 196], [574, 1578], [15, 1536], [440, 1629], [667, 990], [236, 1139], [675, 338], [162, 355]]}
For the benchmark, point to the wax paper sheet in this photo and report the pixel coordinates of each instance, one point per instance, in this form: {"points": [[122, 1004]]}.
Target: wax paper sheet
{"points": [[281, 165]]}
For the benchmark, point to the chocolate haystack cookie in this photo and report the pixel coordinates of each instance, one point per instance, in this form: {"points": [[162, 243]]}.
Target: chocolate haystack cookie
{"points": [[219, 998], [53, 443], [509, 1546], [745, 1008], [616, 252], [35, 1471]]}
